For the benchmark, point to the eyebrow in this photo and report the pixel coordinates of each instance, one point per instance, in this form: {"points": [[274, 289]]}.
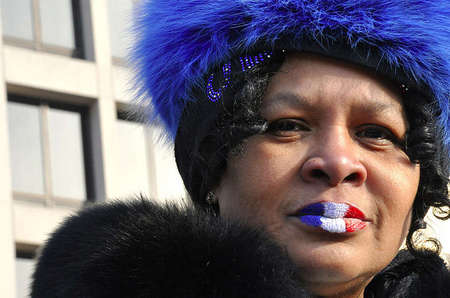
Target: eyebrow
{"points": [[287, 99], [297, 101], [375, 107]]}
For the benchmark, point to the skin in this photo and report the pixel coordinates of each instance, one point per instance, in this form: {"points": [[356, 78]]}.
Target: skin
{"points": [[332, 136]]}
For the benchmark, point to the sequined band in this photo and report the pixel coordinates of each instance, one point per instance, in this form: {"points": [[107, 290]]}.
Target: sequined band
{"points": [[246, 62]]}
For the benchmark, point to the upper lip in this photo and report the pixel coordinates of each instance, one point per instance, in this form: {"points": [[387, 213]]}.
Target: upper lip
{"points": [[333, 210]]}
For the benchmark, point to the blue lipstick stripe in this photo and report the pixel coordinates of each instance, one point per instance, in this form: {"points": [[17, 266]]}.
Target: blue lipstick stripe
{"points": [[314, 209], [311, 220]]}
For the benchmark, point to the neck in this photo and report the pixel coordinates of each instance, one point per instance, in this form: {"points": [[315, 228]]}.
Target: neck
{"points": [[352, 294], [352, 289]]}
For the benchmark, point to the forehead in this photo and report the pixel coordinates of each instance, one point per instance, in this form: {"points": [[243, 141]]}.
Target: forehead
{"points": [[305, 78]]}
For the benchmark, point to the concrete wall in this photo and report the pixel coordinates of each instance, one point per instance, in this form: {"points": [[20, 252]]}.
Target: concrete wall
{"points": [[101, 86], [7, 271]]}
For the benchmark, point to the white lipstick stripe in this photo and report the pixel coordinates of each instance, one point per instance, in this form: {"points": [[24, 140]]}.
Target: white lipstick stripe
{"points": [[335, 210], [333, 225]]}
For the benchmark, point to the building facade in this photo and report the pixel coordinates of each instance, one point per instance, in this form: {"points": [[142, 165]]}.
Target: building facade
{"points": [[66, 137]]}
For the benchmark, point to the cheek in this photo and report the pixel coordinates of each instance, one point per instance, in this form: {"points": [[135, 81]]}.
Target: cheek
{"points": [[395, 186], [256, 181]]}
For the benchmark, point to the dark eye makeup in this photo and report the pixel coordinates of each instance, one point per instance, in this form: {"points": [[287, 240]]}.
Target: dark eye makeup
{"points": [[377, 135], [369, 134], [287, 127]]}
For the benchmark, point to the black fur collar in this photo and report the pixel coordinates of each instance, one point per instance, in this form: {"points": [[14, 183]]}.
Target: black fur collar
{"points": [[139, 249], [407, 276]]}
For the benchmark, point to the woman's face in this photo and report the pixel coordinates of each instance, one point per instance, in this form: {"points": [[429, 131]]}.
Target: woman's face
{"points": [[332, 139]]}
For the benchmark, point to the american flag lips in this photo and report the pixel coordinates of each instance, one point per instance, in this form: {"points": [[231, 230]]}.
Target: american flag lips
{"points": [[333, 217]]}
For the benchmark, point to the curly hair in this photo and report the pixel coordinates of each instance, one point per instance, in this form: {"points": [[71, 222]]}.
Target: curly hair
{"points": [[237, 117], [425, 147]]}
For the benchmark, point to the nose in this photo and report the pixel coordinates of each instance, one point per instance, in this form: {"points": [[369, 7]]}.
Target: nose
{"points": [[334, 160]]}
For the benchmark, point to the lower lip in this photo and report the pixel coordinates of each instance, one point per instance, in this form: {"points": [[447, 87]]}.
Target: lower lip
{"points": [[334, 225]]}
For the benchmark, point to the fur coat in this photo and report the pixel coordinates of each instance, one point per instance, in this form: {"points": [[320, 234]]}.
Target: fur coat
{"points": [[140, 249]]}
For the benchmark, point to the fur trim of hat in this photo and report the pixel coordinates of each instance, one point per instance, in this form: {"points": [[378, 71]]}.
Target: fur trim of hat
{"points": [[179, 42]]}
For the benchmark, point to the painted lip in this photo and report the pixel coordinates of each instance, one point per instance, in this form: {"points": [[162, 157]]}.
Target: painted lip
{"points": [[333, 217], [332, 210]]}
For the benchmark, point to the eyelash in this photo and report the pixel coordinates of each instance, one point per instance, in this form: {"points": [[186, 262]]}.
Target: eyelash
{"points": [[384, 134], [288, 127]]}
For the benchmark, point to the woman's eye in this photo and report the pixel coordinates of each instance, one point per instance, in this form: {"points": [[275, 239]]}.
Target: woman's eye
{"points": [[375, 133], [287, 127]]}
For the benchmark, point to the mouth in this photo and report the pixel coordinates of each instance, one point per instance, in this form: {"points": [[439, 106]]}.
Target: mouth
{"points": [[333, 217]]}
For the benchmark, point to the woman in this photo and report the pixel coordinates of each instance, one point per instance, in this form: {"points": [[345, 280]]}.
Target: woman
{"points": [[312, 137]]}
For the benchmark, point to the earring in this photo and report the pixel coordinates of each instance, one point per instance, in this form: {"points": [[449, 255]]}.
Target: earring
{"points": [[211, 198]]}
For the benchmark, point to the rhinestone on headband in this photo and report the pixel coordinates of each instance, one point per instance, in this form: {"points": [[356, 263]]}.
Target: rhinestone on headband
{"points": [[247, 63], [404, 88], [215, 95]]}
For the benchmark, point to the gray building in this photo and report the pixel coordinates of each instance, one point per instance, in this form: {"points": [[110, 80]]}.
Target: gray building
{"points": [[66, 138]]}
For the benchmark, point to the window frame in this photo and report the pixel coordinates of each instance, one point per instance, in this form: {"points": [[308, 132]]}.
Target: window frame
{"points": [[119, 61], [37, 44], [130, 113], [26, 252], [48, 198]]}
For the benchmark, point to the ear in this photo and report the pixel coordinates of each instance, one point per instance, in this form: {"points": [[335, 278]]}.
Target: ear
{"points": [[219, 191], [211, 198]]}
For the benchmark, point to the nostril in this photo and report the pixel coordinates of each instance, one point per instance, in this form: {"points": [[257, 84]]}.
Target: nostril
{"points": [[351, 177], [319, 174], [333, 170]]}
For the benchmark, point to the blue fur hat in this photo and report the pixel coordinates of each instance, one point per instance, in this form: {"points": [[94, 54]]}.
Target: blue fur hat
{"points": [[179, 42]]}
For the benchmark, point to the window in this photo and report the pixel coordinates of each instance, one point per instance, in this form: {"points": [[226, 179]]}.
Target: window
{"points": [[51, 25], [132, 158], [144, 164], [120, 12], [25, 263], [48, 150]]}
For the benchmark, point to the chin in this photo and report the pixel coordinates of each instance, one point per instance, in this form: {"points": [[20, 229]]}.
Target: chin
{"points": [[333, 272], [331, 263]]}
